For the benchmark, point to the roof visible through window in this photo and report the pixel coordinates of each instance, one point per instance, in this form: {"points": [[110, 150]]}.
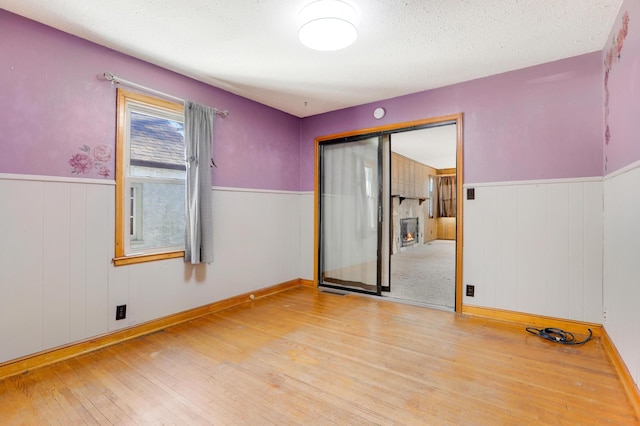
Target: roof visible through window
{"points": [[156, 142]]}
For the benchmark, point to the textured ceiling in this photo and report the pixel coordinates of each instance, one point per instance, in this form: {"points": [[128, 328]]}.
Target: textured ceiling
{"points": [[250, 47], [434, 146]]}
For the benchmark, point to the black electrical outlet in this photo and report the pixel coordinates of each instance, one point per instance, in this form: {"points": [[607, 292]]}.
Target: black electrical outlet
{"points": [[121, 312], [471, 289], [471, 193]]}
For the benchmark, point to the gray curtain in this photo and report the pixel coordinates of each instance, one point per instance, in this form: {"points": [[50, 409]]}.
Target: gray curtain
{"points": [[447, 196], [198, 136]]}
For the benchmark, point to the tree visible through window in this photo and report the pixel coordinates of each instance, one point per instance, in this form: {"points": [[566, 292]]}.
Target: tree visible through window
{"points": [[150, 179]]}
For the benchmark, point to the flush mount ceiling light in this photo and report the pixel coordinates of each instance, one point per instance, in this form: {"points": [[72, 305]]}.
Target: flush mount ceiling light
{"points": [[327, 25]]}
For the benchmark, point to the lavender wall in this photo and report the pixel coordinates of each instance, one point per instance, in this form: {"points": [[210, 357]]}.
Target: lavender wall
{"points": [[54, 103], [621, 82], [542, 122]]}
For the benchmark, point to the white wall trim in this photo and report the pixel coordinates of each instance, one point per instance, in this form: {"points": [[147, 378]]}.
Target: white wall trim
{"points": [[535, 182], [536, 248], [69, 286], [258, 191], [623, 170], [43, 178], [38, 178]]}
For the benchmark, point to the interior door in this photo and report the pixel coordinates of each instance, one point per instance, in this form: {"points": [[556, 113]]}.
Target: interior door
{"points": [[351, 214]]}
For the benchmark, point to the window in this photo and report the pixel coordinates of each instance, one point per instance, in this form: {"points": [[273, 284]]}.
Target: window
{"points": [[150, 179]]}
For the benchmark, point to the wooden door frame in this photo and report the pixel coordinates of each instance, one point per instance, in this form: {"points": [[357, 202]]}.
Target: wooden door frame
{"points": [[390, 128]]}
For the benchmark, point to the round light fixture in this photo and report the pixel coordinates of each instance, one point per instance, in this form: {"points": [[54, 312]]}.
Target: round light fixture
{"points": [[327, 25]]}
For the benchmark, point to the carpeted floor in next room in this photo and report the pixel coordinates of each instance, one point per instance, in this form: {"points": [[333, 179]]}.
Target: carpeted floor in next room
{"points": [[425, 274]]}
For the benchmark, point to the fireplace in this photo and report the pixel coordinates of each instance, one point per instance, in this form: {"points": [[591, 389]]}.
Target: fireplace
{"points": [[408, 231]]}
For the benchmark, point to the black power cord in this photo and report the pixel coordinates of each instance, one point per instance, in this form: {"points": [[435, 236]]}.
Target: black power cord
{"points": [[558, 336]]}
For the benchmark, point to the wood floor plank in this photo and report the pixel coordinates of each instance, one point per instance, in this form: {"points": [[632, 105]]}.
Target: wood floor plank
{"points": [[306, 357]]}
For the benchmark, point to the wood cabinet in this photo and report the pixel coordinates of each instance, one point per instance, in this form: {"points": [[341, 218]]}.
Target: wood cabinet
{"points": [[446, 228], [409, 179]]}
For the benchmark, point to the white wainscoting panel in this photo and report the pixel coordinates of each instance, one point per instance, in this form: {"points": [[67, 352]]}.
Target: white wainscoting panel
{"points": [[256, 245], [257, 241], [53, 269], [21, 217], [55, 265], [475, 245], [58, 284], [158, 289], [621, 285], [536, 248], [99, 253], [77, 262], [558, 249], [307, 232], [504, 217], [533, 249], [593, 251], [490, 264], [119, 295], [576, 258]]}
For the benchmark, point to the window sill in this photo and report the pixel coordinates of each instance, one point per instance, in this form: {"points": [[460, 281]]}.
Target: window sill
{"points": [[129, 260]]}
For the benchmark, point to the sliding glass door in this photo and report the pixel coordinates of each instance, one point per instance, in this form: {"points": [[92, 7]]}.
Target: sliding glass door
{"points": [[350, 214]]}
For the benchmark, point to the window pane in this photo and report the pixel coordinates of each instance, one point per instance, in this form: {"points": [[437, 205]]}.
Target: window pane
{"points": [[156, 146], [162, 219], [156, 151]]}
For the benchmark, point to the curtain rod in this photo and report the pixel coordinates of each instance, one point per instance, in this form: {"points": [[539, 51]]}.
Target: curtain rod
{"points": [[117, 80]]}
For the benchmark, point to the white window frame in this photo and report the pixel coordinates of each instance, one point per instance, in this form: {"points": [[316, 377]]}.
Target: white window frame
{"points": [[135, 214]]}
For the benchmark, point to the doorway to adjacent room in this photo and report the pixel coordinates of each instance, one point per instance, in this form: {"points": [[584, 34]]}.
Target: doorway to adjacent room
{"points": [[391, 228], [423, 216]]}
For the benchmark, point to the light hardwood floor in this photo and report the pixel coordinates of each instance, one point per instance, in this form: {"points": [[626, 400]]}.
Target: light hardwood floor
{"points": [[305, 357]]}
